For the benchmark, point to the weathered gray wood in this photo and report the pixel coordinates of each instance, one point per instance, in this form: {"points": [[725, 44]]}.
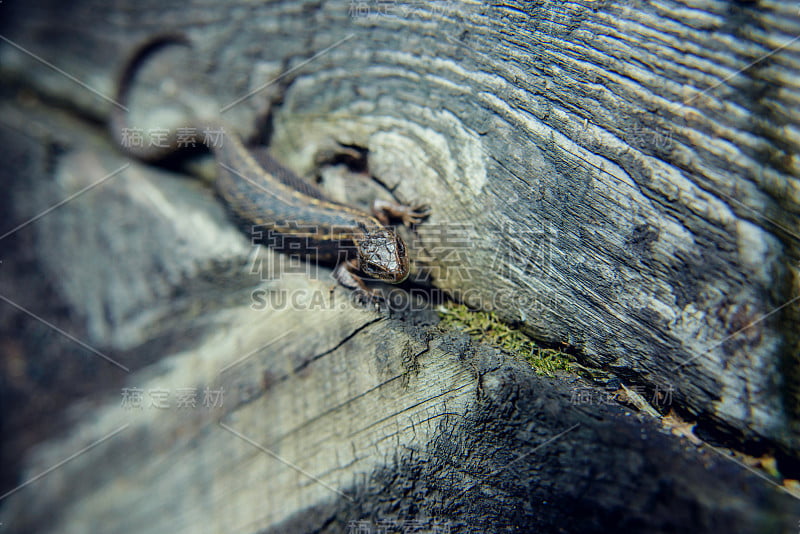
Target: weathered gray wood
{"points": [[625, 174], [333, 416], [591, 178], [408, 424]]}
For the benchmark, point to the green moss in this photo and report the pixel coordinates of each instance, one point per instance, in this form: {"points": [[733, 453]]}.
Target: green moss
{"points": [[488, 328]]}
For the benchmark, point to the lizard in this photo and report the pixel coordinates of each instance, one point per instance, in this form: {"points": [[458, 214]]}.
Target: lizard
{"points": [[260, 191]]}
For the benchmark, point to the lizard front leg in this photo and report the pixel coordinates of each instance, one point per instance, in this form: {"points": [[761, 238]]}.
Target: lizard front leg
{"points": [[345, 274], [385, 210]]}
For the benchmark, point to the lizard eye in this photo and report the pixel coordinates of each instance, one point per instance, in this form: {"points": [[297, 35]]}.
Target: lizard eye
{"points": [[401, 247]]}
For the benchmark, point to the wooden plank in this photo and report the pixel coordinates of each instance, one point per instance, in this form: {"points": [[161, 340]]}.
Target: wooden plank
{"points": [[625, 174], [600, 172]]}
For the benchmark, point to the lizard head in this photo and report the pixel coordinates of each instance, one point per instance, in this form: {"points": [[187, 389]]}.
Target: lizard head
{"points": [[382, 255]]}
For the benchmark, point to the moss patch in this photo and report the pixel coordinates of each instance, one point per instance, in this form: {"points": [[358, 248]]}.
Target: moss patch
{"points": [[488, 328]]}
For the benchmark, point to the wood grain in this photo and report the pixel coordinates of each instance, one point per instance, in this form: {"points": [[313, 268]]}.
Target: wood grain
{"points": [[621, 177]]}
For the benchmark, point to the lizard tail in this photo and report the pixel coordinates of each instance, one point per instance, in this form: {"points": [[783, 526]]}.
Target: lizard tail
{"points": [[118, 122]]}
